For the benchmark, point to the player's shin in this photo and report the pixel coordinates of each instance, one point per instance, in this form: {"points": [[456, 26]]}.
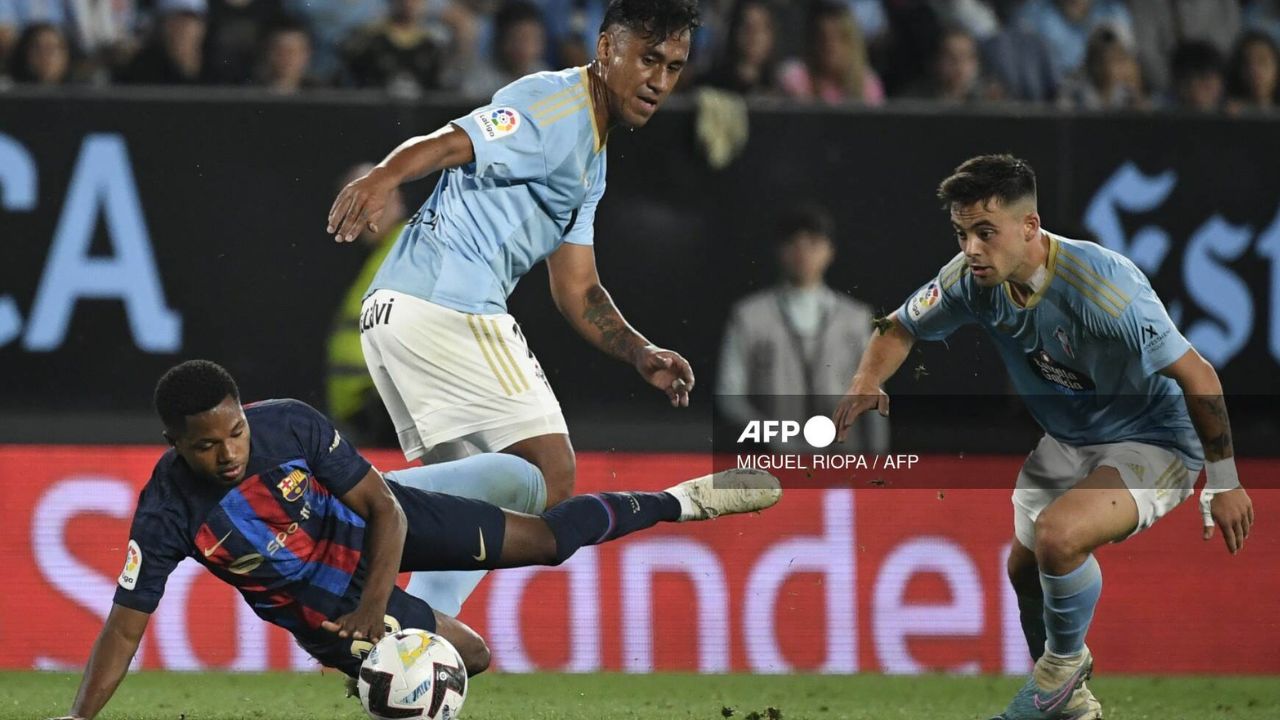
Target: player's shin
{"points": [[507, 481], [1069, 602], [593, 519], [1031, 615]]}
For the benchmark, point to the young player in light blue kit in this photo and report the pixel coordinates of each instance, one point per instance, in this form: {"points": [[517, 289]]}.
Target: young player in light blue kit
{"points": [[522, 178], [1130, 410]]}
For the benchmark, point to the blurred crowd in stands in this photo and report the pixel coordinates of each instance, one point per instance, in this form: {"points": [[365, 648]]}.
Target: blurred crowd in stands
{"points": [[1192, 55]]}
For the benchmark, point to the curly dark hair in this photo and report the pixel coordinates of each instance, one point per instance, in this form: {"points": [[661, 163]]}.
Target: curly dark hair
{"points": [[984, 177], [653, 19], [190, 389]]}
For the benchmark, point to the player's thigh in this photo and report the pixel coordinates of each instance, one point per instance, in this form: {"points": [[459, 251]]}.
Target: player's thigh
{"points": [[1098, 510], [1158, 479], [447, 532], [1049, 471], [553, 455]]}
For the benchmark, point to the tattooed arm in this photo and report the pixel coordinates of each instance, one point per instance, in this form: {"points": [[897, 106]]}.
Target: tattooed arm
{"points": [[1223, 502], [578, 294]]}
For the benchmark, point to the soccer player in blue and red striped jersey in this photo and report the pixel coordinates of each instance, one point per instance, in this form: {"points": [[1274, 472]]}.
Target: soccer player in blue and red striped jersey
{"points": [[273, 501]]}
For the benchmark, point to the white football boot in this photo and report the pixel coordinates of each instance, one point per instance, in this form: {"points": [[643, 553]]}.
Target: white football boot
{"points": [[727, 492]]}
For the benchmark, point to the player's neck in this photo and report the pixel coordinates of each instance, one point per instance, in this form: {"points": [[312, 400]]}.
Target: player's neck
{"points": [[599, 100], [1033, 274]]}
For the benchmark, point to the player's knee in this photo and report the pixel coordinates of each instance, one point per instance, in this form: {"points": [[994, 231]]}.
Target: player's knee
{"points": [[1024, 574], [474, 652], [1057, 542]]}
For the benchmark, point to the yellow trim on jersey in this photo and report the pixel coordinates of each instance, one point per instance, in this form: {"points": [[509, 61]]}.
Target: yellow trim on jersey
{"points": [[591, 102], [507, 351], [493, 346], [1051, 271], [557, 97], [570, 97], [952, 272], [572, 110], [484, 350], [1088, 292], [1104, 286]]}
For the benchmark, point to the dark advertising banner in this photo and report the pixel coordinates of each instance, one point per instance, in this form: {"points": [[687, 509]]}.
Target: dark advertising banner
{"points": [[141, 232]]}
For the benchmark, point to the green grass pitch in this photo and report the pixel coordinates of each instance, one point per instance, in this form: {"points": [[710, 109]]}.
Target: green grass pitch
{"points": [[283, 696]]}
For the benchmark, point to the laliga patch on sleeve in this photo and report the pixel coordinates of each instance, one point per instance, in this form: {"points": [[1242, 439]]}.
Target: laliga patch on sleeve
{"points": [[924, 301], [497, 123], [132, 566]]}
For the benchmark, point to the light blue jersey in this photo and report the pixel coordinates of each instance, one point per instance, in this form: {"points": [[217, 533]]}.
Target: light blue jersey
{"points": [[538, 175], [1084, 353]]}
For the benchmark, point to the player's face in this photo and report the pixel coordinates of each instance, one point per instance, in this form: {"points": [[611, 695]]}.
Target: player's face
{"points": [[995, 239], [215, 443], [639, 73]]}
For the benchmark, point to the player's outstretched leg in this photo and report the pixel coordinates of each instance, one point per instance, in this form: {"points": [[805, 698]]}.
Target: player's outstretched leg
{"points": [[507, 481], [1098, 510], [593, 519]]}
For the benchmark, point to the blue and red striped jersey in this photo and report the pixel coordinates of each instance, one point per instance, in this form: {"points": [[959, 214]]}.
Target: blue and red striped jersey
{"points": [[282, 537]]}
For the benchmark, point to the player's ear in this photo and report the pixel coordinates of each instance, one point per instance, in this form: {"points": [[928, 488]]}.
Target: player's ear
{"points": [[1031, 225], [169, 438], [605, 46]]}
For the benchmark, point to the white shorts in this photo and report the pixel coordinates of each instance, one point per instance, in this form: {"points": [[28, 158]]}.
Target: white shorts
{"points": [[1158, 478], [448, 376]]}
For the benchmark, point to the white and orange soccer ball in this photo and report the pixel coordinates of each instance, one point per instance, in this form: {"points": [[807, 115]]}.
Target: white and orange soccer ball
{"points": [[413, 674]]}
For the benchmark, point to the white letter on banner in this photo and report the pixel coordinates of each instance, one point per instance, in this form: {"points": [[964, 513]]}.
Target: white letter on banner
{"points": [[1017, 659], [893, 621], [103, 180], [173, 623], [505, 594], [62, 502], [17, 193], [830, 554], [640, 560], [1133, 191], [1269, 247]]}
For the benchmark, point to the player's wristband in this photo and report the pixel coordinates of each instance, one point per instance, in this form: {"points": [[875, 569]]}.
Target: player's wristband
{"points": [[1220, 476]]}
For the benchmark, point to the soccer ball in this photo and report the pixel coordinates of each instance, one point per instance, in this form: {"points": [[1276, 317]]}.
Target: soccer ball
{"points": [[413, 674]]}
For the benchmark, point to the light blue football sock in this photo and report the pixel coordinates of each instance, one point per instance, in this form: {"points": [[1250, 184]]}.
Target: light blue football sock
{"points": [[507, 481], [1069, 601]]}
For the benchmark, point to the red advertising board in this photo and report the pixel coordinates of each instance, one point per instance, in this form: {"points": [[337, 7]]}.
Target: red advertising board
{"points": [[835, 580]]}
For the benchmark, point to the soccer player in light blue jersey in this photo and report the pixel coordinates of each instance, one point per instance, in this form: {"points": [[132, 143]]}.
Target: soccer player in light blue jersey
{"points": [[522, 177], [1130, 410]]}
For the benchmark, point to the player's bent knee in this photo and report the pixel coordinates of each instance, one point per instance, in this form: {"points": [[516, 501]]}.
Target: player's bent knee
{"points": [[560, 477], [476, 657], [1056, 542]]}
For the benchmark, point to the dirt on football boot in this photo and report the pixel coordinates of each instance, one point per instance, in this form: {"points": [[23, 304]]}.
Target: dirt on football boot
{"points": [[1052, 689]]}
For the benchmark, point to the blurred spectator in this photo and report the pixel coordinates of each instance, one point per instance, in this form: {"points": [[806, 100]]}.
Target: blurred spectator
{"points": [[976, 17], [835, 68], [237, 31], [331, 23], [175, 53], [572, 26], [1263, 15], [1197, 77], [397, 53], [789, 351], [353, 400], [748, 64], [1018, 60], [956, 73], [1253, 75], [1159, 25], [519, 49], [42, 56], [283, 68], [1066, 25], [1111, 78]]}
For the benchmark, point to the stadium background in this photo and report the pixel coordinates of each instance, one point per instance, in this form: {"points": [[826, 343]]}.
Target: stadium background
{"points": [[146, 226]]}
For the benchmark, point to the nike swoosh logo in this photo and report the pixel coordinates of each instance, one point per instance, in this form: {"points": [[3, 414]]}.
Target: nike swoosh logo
{"points": [[483, 554], [212, 550], [1053, 702]]}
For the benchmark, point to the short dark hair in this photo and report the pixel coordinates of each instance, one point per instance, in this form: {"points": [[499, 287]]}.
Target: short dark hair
{"points": [[984, 177], [190, 389], [806, 217], [1195, 58], [653, 19]]}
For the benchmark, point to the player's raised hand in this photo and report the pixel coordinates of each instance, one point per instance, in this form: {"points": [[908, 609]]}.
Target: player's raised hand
{"points": [[856, 401], [366, 623], [1232, 511], [359, 205], [668, 371]]}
